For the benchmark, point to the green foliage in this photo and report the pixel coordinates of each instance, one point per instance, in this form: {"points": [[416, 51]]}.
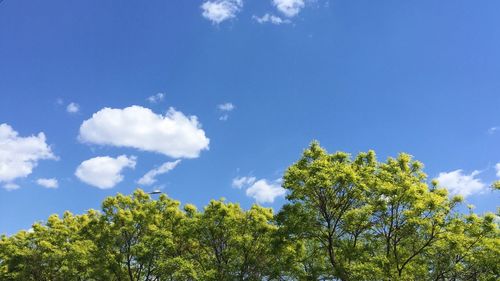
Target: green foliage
{"points": [[233, 244], [370, 220], [346, 219], [56, 250], [496, 185]]}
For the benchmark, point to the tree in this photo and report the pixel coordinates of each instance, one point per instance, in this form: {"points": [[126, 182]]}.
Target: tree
{"points": [[470, 250], [142, 239], [52, 251], [346, 219], [370, 220], [409, 217], [328, 206], [234, 244]]}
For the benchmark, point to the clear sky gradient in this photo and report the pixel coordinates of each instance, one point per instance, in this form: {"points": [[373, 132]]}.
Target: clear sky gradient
{"points": [[420, 77]]}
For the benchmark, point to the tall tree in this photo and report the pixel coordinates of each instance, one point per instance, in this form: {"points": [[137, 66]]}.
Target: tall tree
{"points": [[142, 239], [409, 217], [371, 220], [234, 244], [328, 205]]}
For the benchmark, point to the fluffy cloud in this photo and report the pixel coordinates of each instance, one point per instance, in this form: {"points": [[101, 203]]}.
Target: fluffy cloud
{"points": [[497, 169], [218, 11], [20, 155], [48, 183], [265, 192], [156, 98], [73, 108], [261, 190], [459, 183], [172, 134], [289, 8], [104, 172], [150, 177], [240, 182], [271, 19]]}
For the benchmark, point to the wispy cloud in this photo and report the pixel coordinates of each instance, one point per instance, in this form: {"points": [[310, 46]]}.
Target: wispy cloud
{"points": [[150, 177], [48, 183], [11, 186], [240, 182], [225, 108], [270, 18], [493, 130], [156, 98]]}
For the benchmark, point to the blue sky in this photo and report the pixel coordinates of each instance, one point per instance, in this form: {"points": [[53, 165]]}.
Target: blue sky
{"points": [[263, 79]]}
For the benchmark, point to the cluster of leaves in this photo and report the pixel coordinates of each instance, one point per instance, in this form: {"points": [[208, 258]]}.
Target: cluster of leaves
{"points": [[360, 219], [345, 219], [136, 238]]}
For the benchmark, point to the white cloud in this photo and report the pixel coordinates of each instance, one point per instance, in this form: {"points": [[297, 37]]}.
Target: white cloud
{"points": [[289, 8], [224, 117], [20, 155], [11, 186], [104, 172], [459, 183], [226, 106], [48, 183], [271, 19], [265, 192], [172, 134], [240, 182], [218, 11], [73, 108], [150, 177], [497, 169], [156, 98]]}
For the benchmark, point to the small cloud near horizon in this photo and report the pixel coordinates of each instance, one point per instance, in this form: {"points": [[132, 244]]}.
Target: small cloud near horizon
{"points": [[262, 190], [459, 183]]}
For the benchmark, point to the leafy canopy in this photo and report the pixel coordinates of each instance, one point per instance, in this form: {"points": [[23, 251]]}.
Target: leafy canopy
{"points": [[346, 218]]}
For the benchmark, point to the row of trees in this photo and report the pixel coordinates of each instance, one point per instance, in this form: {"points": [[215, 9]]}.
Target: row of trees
{"points": [[345, 219]]}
